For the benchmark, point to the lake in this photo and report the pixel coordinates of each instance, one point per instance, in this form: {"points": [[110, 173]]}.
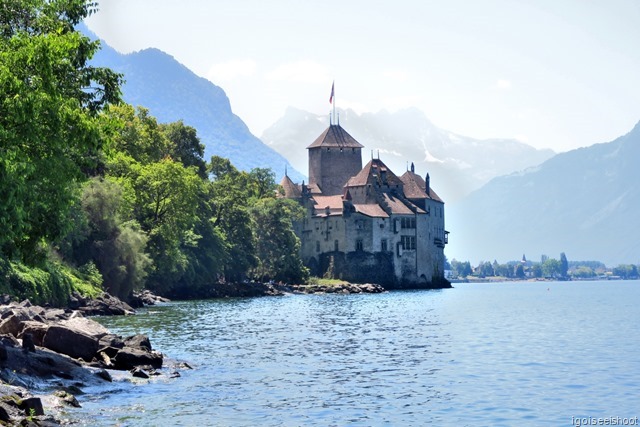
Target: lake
{"points": [[543, 353]]}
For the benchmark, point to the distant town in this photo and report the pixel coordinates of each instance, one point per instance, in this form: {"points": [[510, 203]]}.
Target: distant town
{"points": [[545, 269]]}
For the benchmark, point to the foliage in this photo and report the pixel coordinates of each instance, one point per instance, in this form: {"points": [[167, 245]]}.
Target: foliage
{"points": [[49, 97], [50, 283], [564, 265], [115, 248], [460, 269], [277, 246], [626, 271]]}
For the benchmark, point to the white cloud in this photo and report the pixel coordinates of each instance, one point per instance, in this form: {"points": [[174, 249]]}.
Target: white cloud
{"points": [[503, 84], [396, 75], [400, 102], [230, 70], [305, 71]]}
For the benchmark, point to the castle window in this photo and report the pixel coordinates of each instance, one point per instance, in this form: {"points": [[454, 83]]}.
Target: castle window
{"points": [[336, 246], [317, 246], [408, 242], [359, 245], [383, 245], [408, 222]]}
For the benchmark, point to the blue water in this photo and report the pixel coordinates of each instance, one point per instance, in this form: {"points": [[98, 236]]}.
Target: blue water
{"points": [[525, 354]]}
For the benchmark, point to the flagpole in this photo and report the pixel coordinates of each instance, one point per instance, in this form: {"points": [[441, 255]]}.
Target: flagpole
{"points": [[334, 102]]}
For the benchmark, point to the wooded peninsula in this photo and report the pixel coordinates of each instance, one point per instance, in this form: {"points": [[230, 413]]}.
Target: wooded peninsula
{"points": [[98, 196]]}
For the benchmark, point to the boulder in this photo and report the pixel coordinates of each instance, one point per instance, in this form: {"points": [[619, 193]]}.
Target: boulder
{"points": [[13, 323], [138, 341], [129, 358], [86, 326], [71, 342], [37, 330], [32, 405], [111, 340], [139, 373]]}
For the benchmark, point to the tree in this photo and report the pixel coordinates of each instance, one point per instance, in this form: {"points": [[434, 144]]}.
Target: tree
{"points": [[49, 100], [551, 267], [101, 238], [166, 200], [519, 271], [564, 266], [185, 146], [277, 246]]}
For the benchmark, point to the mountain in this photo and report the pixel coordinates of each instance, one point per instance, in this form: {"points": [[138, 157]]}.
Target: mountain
{"points": [[583, 202], [155, 80], [457, 164]]}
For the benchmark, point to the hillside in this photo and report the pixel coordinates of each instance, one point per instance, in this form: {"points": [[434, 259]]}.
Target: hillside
{"points": [[584, 202], [172, 92], [457, 164]]}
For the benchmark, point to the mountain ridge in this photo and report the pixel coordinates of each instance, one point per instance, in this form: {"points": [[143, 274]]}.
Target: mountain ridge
{"points": [[456, 164], [581, 202], [172, 92]]}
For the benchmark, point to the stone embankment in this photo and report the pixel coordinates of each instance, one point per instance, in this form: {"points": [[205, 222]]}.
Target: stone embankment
{"points": [[338, 288], [64, 350]]}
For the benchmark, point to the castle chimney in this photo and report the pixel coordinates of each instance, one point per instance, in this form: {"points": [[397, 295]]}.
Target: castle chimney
{"points": [[413, 168], [428, 185]]}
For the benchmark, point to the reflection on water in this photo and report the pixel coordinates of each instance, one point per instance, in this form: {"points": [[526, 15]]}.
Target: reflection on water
{"points": [[491, 354]]}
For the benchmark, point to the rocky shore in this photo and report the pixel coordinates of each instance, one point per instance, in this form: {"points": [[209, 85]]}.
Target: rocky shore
{"points": [[47, 355]]}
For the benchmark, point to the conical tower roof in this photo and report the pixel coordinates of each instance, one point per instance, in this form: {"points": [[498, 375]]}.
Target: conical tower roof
{"points": [[335, 136], [291, 190]]}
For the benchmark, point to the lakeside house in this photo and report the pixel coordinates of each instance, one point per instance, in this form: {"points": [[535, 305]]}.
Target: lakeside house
{"points": [[366, 224]]}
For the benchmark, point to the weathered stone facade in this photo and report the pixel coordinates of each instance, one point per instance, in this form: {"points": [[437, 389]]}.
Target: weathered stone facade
{"points": [[367, 224]]}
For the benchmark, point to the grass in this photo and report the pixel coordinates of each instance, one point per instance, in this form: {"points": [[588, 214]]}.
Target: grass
{"points": [[325, 282]]}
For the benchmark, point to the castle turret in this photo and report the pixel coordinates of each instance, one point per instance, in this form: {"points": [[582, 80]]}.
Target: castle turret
{"points": [[334, 157]]}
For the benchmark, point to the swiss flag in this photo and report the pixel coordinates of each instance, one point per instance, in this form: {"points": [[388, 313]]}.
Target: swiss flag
{"points": [[331, 97]]}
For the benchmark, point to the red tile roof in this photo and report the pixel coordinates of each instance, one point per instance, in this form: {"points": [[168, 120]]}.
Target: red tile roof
{"points": [[374, 172], [291, 190], [372, 210], [415, 187]]}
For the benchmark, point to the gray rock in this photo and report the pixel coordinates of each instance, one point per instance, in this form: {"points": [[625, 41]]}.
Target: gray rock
{"points": [[129, 358], [71, 342]]}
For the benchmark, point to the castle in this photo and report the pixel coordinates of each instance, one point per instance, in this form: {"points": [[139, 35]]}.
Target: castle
{"points": [[367, 224]]}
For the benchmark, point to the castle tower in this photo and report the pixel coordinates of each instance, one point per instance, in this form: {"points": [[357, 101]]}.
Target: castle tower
{"points": [[334, 157]]}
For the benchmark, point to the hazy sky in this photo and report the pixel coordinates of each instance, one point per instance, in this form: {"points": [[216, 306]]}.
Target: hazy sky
{"points": [[552, 73]]}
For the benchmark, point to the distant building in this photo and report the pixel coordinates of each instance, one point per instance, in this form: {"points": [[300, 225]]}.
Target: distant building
{"points": [[366, 224]]}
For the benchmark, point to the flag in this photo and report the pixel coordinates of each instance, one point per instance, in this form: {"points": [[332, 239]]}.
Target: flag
{"points": [[331, 97]]}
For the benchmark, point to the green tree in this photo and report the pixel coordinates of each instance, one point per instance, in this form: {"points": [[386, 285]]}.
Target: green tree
{"points": [[277, 246], [519, 271], [185, 146], [551, 268], [103, 239], [166, 200], [230, 197], [564, 266], [49, 100]]}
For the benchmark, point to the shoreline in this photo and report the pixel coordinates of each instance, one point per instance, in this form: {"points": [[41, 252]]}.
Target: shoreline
{"points": [[48, 355]]}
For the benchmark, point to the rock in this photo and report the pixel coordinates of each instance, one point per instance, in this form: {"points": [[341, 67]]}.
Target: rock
{"points": [[139, 373], [129, 358], [67, 398], [86, 326], [71, 342], [3, 354], [104, 374], [138, 341], [5, 412], [174, 374], [104, 305], [37, 330], [32, 406], [27, 343], [13, 323], [111, 340]]}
